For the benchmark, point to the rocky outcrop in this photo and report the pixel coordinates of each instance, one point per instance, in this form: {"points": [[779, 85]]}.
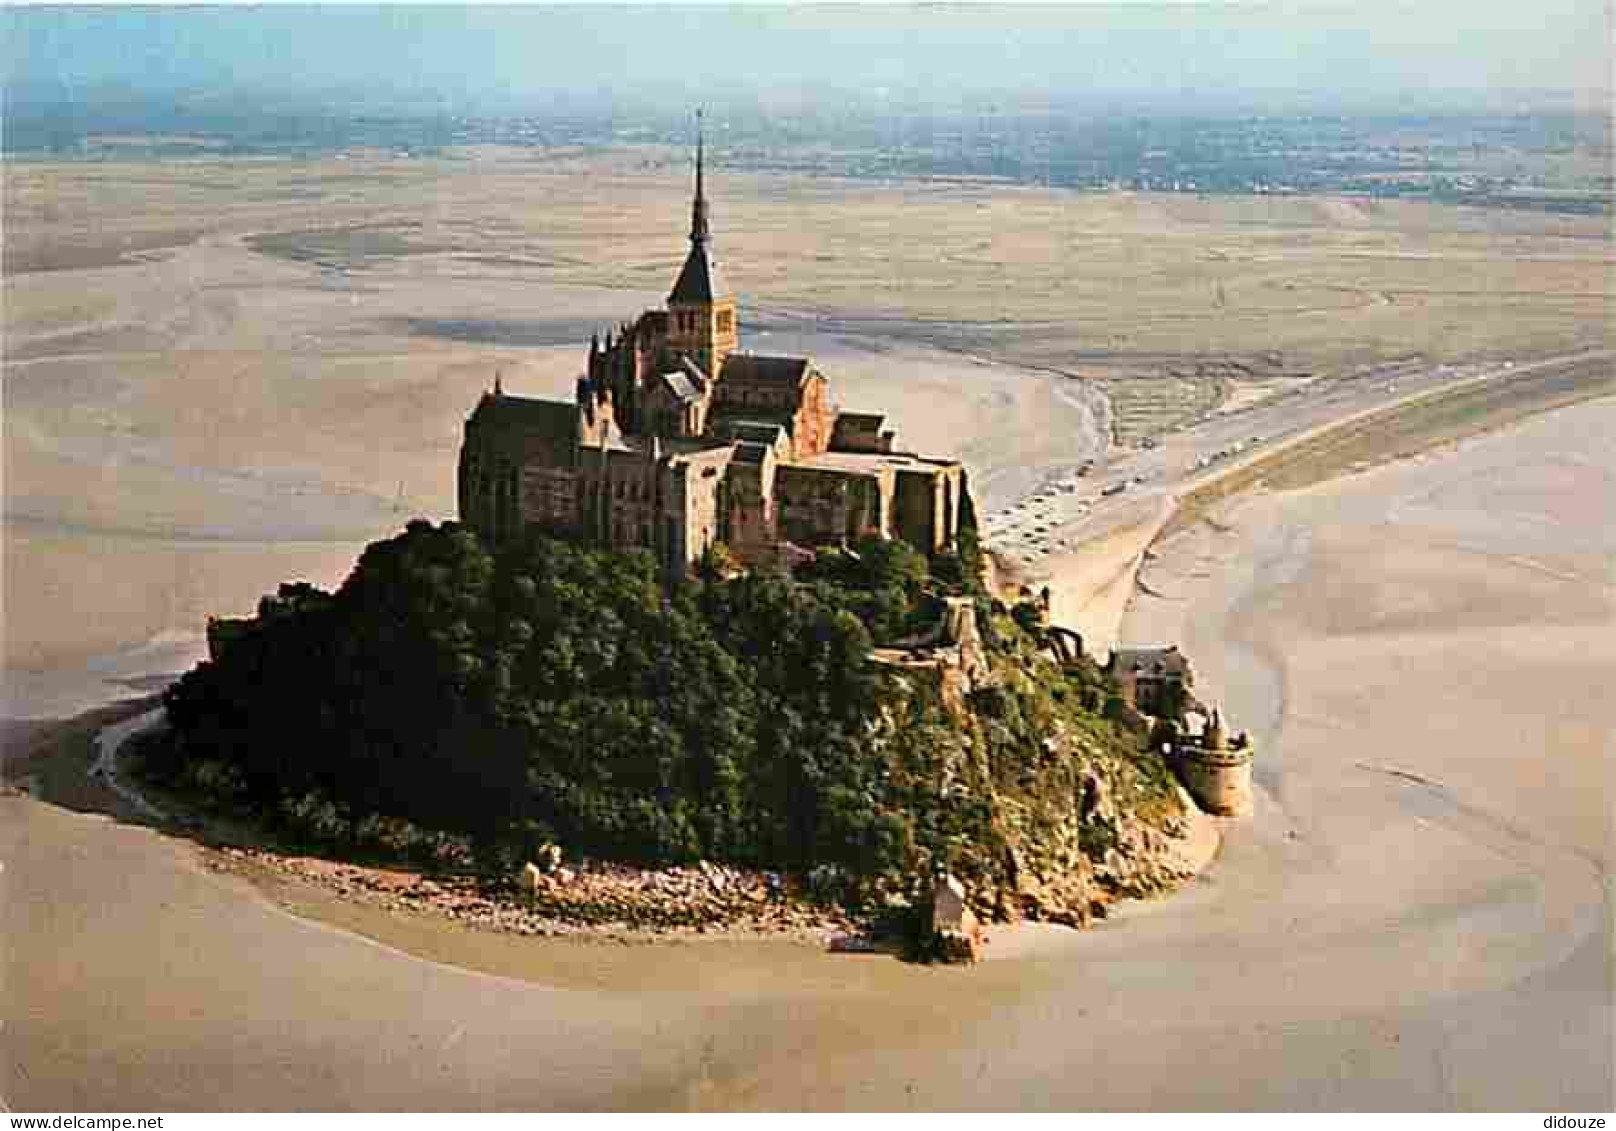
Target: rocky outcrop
{"points": [[1072, 808], [1105, 854], [951, 656], [587, 896]]}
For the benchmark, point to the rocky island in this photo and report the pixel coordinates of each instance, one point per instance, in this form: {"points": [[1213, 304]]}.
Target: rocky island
{"points": [[751, 743], [703, 651]]}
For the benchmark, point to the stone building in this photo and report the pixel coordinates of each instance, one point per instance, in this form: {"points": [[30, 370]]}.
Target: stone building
{"points": [[1154, 681], [677, 439], [1214, 768]]}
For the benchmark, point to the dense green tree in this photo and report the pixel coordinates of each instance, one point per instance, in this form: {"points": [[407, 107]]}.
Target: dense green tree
{"points": [[558, 691]]}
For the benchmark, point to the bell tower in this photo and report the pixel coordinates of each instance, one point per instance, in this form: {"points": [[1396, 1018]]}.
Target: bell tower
{"points": [[701, 309]]}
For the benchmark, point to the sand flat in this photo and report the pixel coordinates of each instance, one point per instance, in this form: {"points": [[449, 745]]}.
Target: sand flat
{"points": [[184, 435], [1417, 918], [285, 350]]}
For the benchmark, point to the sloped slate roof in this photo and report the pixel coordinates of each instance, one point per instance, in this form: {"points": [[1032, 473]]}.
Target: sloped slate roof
{"points": [[1155, 661], [862, 425], [750, 451], [679, 382], [556, 420], [697, 375], [725, 418], [754, 367], [756, 431], [683, 377], [698, 280], [867, 421]]}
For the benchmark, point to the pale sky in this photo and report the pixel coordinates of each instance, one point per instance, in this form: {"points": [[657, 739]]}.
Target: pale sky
{"points": [[501, 57]]}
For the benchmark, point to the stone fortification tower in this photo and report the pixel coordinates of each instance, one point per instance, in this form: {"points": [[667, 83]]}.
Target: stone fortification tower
{"points": [[1216, 771]]}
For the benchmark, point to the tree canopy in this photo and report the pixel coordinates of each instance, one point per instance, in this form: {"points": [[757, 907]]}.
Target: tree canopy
{"points": [[555, 691]]}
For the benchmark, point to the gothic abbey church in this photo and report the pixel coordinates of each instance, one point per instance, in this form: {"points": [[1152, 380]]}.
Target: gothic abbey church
{"points": [[678, 439]]}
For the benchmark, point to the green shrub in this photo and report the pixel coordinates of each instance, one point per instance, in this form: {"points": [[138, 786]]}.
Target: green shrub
{"points": [[473, 704]]}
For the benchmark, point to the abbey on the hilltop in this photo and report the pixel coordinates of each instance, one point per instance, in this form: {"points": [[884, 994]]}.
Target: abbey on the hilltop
{"points": [[679, 439]]}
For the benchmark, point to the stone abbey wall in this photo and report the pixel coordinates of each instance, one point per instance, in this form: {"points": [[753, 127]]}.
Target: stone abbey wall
{"points": [[677, 438], [547, 495], [814, 506], [749, 519], [927, 507]]}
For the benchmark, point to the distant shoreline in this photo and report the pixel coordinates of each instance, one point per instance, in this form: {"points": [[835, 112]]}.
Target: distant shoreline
{"points": [[1180, 153]]}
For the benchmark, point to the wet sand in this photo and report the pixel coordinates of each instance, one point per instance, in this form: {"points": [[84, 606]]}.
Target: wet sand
{"points": [[1418, 917], [223, 373], [1420, 650]]}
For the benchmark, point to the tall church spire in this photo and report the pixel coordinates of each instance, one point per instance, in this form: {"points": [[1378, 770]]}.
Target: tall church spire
{"points": [[700, 232], [701, 310], [698, 282]]}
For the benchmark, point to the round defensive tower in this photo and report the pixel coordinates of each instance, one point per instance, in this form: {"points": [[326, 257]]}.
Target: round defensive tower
{"points": [[1216, 773]]}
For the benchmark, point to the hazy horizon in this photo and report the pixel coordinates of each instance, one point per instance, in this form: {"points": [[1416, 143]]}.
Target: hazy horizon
{"points": [[1206, 57]]}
